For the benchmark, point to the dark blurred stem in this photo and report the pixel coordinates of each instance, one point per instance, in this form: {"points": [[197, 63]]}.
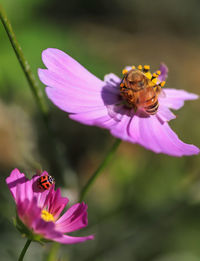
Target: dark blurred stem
{"points": [[21, 257], [103, 164], [56, 154], [24, 64]]}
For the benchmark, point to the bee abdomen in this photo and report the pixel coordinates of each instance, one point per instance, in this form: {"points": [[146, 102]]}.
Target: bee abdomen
{"points": [[152, 109]]}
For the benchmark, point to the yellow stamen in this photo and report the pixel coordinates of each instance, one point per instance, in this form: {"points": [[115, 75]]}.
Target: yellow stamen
{"points": [[133, 67], [147, 67], [148, 75], [139, 67], [158, 72], [122, 84], [162, 83], [46, 216], [124, 71], [154, 80]]}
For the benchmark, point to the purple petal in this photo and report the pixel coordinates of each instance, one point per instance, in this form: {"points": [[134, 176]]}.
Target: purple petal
{"points": [[72, 240], [59, 62], [55, 203], [112, 79], [16, 178], [74, 103], [152, 134], [47, 229], [164, 72], [174, 99], [94, 117], [29, 212], [164, 114], [75, 218], [69, 82], [120, 130]]}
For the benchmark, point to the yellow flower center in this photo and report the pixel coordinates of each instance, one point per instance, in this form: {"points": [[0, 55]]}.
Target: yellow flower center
{"points": [[46, 216]]}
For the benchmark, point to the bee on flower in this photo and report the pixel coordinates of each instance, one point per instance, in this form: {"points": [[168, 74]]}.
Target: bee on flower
{"points": [[135, 108]]}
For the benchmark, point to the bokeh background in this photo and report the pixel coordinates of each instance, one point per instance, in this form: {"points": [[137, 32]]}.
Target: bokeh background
{"points": [[144, 207]]}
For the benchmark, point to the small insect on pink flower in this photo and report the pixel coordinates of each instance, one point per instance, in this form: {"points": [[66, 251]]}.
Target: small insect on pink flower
{"points": [[38, 212], [135, 108]]}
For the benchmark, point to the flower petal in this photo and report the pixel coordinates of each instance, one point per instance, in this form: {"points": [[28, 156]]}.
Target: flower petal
{"points": [[98, 117], [72, 103], [158, 137], [174, 99], [28, 211], [55, 203], [60, 62], [112, 79], [46, 229], [16, 178], [75, 218], [72, 240], [164, 114], [120, 130], [164, 72], [68, 82]]}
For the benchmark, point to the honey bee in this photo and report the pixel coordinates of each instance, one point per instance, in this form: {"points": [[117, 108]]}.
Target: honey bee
{"points": [[140, 91]]}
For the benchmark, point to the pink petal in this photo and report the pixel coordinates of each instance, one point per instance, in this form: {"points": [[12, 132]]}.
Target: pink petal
{"points": [[46, 229], [29, 212], [174, 99], [60, 62], [150, 133], [164, 72], [75, 218], [16, 178], [93, 117], [112, 79], [55, 203], [72, 103], [164, 114], [120, 130], [69, 82], [72, 240]]}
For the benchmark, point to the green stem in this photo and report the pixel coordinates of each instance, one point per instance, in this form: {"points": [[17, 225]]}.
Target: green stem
{"points": [[55, 152], [103, 164], [24, 64], [21, 257]]}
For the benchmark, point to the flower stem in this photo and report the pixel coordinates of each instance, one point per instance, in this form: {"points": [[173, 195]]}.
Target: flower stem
{"points": [[103, 164], [24, 64], [55, 151], [21, 257]]}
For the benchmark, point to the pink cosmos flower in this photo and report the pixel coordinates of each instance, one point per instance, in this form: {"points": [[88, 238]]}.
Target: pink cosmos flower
{"points": [[39, 211], [92, 101]]}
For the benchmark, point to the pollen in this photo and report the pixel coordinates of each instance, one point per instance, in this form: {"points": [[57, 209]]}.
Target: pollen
{"points": [[158, 72], [133, 67], [139, 67], [46, 216], [162, 83], [124, 71], [147, 67], [154, 80], [122, 84], [148, 75]]}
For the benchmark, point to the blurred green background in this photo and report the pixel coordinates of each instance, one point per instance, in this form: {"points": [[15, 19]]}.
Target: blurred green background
{"points": [[144, 207]]}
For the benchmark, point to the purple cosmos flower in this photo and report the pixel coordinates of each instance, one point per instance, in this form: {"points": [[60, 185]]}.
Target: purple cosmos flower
{"points": [[39, 211], [107, 104]]}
